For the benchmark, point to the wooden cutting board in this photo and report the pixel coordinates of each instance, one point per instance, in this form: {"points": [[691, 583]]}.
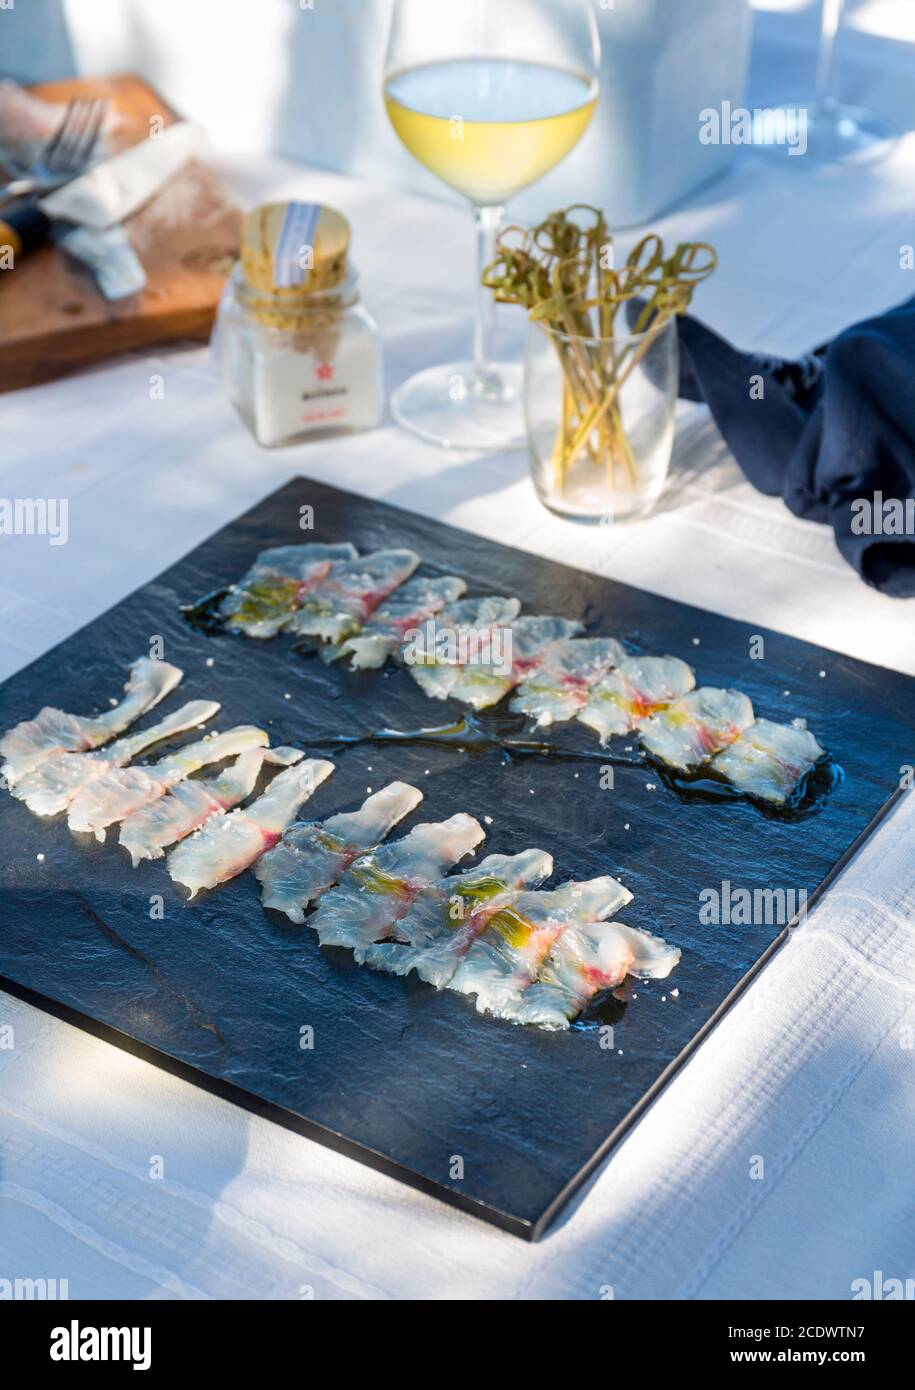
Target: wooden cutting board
{"points": [[54, 320]]}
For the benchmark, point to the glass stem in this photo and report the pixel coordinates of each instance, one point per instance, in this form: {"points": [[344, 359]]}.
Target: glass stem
{"points": [[488, 223], [826, 64]]}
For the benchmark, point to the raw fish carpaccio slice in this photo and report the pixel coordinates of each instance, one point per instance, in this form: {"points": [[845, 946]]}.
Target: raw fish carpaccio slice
{"points": [[468, 623], [188, 805], [108, 799], [52, 731], [228, 844], [620, 701], [508, 955], [378, 888], [449, 915], [262, 602], [767, 761], [339, 605], [50, 788], [687, 732], [561, 684], [583, 961], [408, 607], [485, 683], [312, 857]]}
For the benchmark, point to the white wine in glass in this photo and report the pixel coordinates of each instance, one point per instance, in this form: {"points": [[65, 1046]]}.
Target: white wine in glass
{"points": [[489, 97]]}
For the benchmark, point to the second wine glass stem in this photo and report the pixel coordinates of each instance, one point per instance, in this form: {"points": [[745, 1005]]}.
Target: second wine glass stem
{"points": [[826, 65], [488, 224]]}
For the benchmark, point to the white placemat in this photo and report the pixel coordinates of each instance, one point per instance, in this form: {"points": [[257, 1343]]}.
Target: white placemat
{"points": [[811, 1072]]}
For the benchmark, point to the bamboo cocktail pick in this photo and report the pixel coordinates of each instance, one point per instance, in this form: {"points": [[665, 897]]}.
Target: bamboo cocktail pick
{"points": [[564, 275]]}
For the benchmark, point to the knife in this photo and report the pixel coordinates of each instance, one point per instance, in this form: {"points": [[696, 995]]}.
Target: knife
{"points": [[96, 201]]}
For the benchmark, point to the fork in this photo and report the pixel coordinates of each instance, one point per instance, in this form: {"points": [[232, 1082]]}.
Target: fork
{"points": [[65, 154]]}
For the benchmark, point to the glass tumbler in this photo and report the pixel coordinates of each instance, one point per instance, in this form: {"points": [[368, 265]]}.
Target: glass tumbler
{"points": [[599, 415]]}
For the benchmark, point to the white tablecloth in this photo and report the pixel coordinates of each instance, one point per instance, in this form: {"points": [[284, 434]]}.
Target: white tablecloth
{"points": [[812, 1071]]}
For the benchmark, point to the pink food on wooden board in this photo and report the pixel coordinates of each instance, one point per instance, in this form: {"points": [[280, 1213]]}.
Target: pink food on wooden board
{"points": [[28, 121]]}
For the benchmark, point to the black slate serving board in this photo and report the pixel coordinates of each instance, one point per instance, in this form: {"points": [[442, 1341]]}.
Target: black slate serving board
{"points": [[501, 1121]]}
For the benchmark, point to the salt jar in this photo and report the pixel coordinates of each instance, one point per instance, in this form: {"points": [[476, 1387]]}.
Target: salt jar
{"points": [[300, 355]]}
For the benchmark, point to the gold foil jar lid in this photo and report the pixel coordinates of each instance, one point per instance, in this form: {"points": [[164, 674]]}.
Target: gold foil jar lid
{"points": [[292, 250]]}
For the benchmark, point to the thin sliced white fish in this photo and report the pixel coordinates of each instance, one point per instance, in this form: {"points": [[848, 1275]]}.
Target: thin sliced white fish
{"points": [[561, 684], [50, 788], [522, 648], [768, 761], [447, 917], [147, 833], [108, 799], [262, 602], [461, 630], [229, 844], [312, 857], [408, 608], [690, 730], [508, 955], [109, 193], [583, 962], [380, 887], [53, 731], [641, 685], [346, 597]]}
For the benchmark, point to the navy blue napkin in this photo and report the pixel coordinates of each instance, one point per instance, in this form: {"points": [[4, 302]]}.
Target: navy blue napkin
{"points": [[833, 434]]}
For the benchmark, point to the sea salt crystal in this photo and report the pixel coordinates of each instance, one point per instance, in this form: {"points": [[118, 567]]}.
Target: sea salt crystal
{"points": [[40, 858], [210, 661]]}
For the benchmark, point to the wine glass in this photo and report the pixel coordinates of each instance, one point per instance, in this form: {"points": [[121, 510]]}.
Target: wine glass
{"points": [[489, 95], [837, 133]]}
